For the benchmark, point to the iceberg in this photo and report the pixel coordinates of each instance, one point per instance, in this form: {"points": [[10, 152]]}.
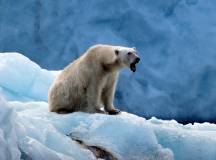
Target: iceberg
{"points": [[29, 131]]}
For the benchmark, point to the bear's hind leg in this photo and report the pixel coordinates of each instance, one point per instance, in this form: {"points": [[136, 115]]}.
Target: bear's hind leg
{"points": [[64, 111]]}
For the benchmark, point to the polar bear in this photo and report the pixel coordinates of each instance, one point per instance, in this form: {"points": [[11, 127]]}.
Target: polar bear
{"points": [[88, 84]]}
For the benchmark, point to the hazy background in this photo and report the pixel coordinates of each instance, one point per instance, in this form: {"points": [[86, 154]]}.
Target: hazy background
{"points": [[176, 40]]}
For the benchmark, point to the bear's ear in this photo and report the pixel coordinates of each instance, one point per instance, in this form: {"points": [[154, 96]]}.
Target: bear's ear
{"points": [[116, 51], [134, 48]]}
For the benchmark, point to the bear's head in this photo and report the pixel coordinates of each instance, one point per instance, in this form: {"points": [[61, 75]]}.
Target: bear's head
{"points": [[127, 57]]}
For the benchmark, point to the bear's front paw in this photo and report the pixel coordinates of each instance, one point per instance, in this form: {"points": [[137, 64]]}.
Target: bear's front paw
{"points": [[114, 111], [100, 111]]}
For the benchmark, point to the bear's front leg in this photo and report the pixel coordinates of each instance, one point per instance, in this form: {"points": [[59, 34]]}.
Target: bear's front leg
{"points": [[108, 94], [93, 97], [113, 111]]}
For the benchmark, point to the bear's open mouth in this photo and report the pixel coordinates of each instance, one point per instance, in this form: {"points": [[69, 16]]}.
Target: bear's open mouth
{"points": [[133, 67]]}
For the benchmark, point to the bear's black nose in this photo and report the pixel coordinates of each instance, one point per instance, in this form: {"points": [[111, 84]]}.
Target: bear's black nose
{"points": [[137, 60]]}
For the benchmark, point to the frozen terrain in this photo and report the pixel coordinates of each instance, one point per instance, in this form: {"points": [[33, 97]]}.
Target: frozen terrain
{"points": [[29, 131], [175, 39]]}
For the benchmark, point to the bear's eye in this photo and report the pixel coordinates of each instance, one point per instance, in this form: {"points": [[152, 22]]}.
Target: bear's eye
{"points": [[129, 53]]}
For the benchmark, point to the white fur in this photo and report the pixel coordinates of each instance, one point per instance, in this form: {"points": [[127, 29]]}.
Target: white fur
{"points": [[89, 82]]}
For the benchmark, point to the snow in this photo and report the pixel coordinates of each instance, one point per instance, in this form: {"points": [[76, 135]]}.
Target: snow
{"points": [[175, 40], [29, 131]]}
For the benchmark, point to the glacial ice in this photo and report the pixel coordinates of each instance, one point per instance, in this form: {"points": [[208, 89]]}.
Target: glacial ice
{"points": [[176, 77], [29, 131]]}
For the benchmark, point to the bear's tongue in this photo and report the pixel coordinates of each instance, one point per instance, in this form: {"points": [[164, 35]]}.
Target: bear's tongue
{"points": [[133, 67]]}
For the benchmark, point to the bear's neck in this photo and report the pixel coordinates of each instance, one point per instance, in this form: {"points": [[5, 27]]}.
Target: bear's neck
{"points": [[112, 67]]}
